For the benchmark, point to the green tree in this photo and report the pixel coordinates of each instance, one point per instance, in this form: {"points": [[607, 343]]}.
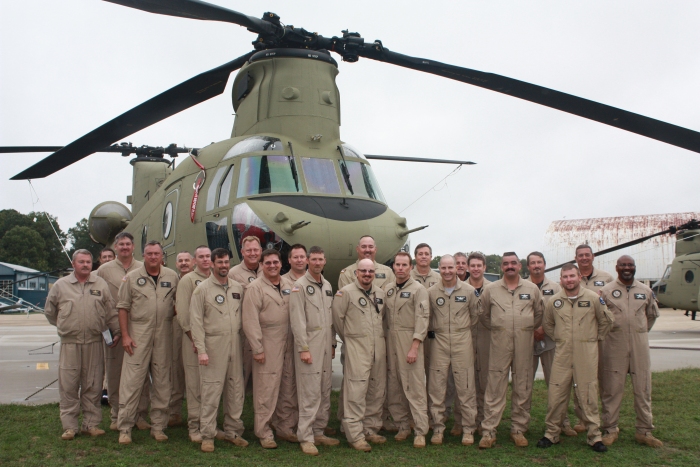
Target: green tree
{"points": [[79, 237], [53, 256], [24, 246], [435, 262], [493, 263]]}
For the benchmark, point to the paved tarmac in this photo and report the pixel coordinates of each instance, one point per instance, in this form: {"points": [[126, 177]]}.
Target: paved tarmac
{"points": [[29, 354]]}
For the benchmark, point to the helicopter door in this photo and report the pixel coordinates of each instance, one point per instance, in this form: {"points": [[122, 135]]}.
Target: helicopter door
{"points": [[218, 199], [167, 230]]}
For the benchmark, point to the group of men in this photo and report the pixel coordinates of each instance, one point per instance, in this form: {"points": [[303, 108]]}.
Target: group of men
{"points": [[415, 343]]}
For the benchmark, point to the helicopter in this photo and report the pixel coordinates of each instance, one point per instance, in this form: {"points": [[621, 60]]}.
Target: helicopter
{"points": [[160, 199]]}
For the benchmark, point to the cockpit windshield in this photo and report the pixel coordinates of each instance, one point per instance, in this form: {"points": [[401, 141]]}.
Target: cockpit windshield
{"points": [[362, 180], [320, 176], [267, 174], [255, 143]]}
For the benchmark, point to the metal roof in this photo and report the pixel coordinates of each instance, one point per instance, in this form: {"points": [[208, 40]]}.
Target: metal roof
{"points": [[18, 268]]}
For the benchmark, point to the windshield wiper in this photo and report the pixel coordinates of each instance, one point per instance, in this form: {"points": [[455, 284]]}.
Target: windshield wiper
{"points": [[293, 166], [344, 171]]}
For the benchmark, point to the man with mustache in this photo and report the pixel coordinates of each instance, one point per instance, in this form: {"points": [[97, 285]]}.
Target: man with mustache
{"points": [[184, 265], [626, 350], [511, 308]]}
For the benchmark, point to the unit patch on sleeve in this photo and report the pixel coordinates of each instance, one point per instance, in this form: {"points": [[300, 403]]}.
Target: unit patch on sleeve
{"points": [[405, 294], [197, 282], [219, 299], [598, 283], [558, 304], [141, 281], [362, 301], [584, 304], [390, 292], [616, 294], [251, 279], [440, 301], [524, 296], [548, 292], [310, 289], [602, 302], [460, 299], [640, 296], [96, 293]]}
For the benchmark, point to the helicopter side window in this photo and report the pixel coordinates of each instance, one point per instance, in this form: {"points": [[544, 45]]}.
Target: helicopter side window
{"points": [[225, 191], [320, 176], [267, 174], [667, 274], [362, 180], [211, 192], [255, 143]]}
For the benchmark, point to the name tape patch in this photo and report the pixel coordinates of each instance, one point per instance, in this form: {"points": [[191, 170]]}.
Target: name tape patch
{"points": [[165, 284], [405, 294], [640, 296], [524, 296], [380, 275], [235, 296], [329, 293], [584, 304], [548, 292], [96, 293], [598, 283], [460, 299]]}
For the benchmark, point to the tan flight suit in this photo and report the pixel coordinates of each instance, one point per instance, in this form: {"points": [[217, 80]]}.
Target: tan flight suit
{"points": [[576, 325], [512, 318], [626, 350], [382, 276], [544, 349], [80, 313], [151, 309], [190, 360], [481, 337], [267, 328], [177, 372], [358, 320], [407, 316], [312, 328], [596, 281], [215, 324], [244, 276], [452, 318], [113, 272]]}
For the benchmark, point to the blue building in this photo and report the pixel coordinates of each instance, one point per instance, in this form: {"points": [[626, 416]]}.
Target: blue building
{"points": [[19, 282]]}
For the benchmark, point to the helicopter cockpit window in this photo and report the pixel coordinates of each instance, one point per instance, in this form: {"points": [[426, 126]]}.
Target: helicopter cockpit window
{"points": [[267, 174], [211, 192], [362, 180], [667, 274], [320, 176], [225, 191], [349, 151], [167, 220], [255, 143]]}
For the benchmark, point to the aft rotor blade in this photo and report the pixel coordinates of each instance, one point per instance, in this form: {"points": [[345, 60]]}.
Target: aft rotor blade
{"points": [[618, 118], [16, 149], [195, 9], [417, 159], [183, 96]]}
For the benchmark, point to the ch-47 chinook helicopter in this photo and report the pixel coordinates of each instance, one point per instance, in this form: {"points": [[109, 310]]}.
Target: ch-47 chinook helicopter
{"points": [[679, 288], [284, 175]]}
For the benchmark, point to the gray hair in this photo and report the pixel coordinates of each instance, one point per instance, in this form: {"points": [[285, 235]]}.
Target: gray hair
{"points": [[82, 252]]}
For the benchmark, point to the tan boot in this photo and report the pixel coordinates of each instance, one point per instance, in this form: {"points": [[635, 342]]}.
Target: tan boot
{"points": [[519, 440], [113, 426], [158, 435], [142, 424], [220, 435], [375, 439], [648, 439], [124, 437], [487, 442], [389, 426], [467, 439], [580, 427], [268, 443], [207, 445], [419, 441], [237, 441], [288, 437], [93, 431], [610, 438], [328, 431], [68, 435], [309, 448], [566, 430], [456, 430], [324, 440], [196, 437], [361, 446], [436, 439], [175, 420], [402, 435]]}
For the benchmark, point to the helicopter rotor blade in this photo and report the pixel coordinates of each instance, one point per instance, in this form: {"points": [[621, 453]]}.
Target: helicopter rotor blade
{"points": [[195, 9], [176, 99], [17, 149], [618, 118], [417, 159]]}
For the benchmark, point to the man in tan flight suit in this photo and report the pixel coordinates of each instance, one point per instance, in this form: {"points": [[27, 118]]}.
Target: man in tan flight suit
{"points": [[366, 248], [577, 319], [146, 309], [113, 272], [358, 313], [106, 255], [481, 338], [81, 307], [314, 338], [407, 315], [544, 345], [511, 308], [184, 264], [453, 314], [215, 324], [185, 289], [298, 261], [244, 273], [626, 350], [267, 328]]}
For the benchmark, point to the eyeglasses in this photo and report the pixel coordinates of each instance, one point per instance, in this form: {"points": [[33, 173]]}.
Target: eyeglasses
{"points": [[366, 271]]}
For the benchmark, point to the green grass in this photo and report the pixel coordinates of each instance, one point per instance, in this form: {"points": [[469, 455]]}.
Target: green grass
{"points": [[30, 436]]}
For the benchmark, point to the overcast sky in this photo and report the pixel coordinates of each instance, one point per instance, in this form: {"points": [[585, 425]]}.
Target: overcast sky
{"points": [[67, 67]]}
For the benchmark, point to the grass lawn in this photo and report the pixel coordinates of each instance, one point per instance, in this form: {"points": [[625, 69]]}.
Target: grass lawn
{"points": [[30, 436]]}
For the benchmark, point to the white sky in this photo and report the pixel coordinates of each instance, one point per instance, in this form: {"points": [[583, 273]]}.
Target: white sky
{"points": [[67, 67]]}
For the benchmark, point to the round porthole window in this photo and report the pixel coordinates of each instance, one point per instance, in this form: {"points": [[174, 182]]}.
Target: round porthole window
{"points": [[689, 277], [167, 220]]}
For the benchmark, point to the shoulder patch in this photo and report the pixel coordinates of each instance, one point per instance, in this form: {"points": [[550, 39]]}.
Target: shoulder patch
{"points": [[362, 301], [602, 302], [390, 292], [339, 293], [342, 271], [295, 289], [141, 281], [558, 303], [440, 301], [251, 279], [124, 279], [476, 292], [197, 282], [310, 289], [616, 294], [219, 299]]}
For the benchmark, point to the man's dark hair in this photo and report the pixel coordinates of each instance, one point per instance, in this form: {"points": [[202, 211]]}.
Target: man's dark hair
{"points": [[406, 254], [422, 245], [297, 246], [536, 253], [107, 249], [510, 253], [476, 255], [121, 235], [569, 266], [583, 246], [316, 250], [217, 253], [268, 252]]}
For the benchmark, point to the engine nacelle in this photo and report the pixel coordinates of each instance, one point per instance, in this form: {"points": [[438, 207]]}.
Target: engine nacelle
{"points": [[107, 220]]}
